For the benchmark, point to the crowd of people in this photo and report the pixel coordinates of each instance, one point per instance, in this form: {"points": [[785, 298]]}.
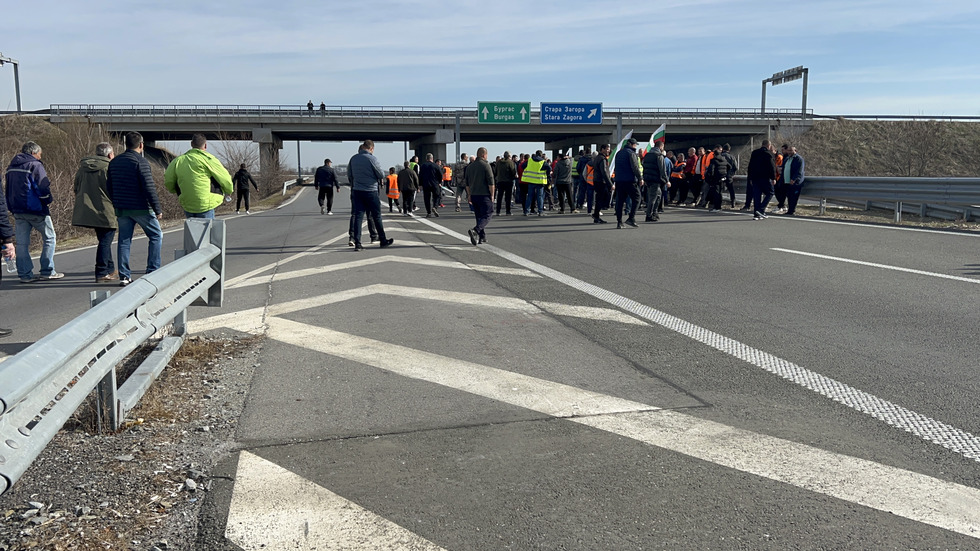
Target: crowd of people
{"points": [[627, 181]]}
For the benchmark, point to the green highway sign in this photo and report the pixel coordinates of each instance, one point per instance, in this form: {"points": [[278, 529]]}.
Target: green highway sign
{"points": [[503, 112]]}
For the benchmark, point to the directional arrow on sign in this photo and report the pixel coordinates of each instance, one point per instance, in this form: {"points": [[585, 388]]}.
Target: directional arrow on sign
{"points": [[485, 113], [523, 113], [592, 113]]}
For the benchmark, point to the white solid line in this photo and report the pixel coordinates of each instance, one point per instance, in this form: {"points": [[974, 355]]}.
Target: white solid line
{"points": [[927, 428], [875, 265], [547, 397], [292, 199], [921, 498], [233, 281], [587, 312], [273, 509]]}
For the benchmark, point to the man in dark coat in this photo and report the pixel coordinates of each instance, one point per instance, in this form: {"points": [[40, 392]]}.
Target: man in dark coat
{"points": [[325, 180], [602, 183], [761, 174], [655, 176], [242, 179], [480, 191], [408, 186], [7, 239], [28, 196], [430, 176], [93, 209]]}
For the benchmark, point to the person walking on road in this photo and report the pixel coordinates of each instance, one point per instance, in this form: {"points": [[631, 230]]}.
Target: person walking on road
{"points": [[365, 173], [130, 187], [564, 172], [480, 192], [430, 176], [655, 176], [93, 209], [601, 182], [715, 176], [9, 251], [199, 179], [459, 178], [760, 174], [28, 196], [504, 175], [792, 179], [408, 186], [627, 180], [537, 169], [241, 179], [325, 181], [391, 190]]}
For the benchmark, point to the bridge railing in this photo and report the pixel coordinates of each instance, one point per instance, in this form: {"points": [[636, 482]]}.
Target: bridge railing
{"points": [[163, 111], [43, 385]]}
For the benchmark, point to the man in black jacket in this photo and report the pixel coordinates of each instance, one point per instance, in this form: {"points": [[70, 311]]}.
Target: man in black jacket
{"points": [[726, 151], [761, 173], [504, 175], [655, 177], [241, 180], [325, 180], [602, 183], [7, 238], [715, 177], [130, 187], [430, 175]]}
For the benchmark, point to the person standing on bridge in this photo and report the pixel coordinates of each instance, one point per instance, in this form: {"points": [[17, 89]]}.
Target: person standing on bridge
{"points": [[601, 182], [628, 177], [408, 186], [28, 196], [129, 185], [325, 181], [241, 180], [93, 209], [365, 174], [479, 192], [430, 175], [199, 180]]}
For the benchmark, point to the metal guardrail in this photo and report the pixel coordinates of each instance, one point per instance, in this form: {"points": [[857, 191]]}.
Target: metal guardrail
{"points": [[147, 110], [43, 385]]}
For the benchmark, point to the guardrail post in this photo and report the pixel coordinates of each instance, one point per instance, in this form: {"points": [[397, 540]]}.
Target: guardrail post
{"points": [[967, 214], [898, 211], [923, 208], [105, 400], [180, 320], [823, 206], [198, 232]]}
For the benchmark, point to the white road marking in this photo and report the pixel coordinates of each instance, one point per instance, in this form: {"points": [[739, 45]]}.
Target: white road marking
{"points": [[279, 276], [875, 265], [588, 312], [920, 498], [231, 282], [274, 509], [412, 230], [292, 199], [927, 428]]}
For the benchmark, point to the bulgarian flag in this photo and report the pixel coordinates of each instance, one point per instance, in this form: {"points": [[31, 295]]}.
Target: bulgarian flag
{"points": [[659, 135]]}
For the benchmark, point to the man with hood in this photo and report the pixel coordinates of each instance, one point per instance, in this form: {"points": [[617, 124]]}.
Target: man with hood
{"points": [[241, 179], [28, 196], [93, 208]]}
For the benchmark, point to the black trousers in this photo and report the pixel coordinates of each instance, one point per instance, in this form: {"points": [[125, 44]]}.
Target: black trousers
{"points": [[431, 197], [242, 194], [624, 191], [565, 196], [408, 201], [326, 191], [505, 192], [602, 194]]}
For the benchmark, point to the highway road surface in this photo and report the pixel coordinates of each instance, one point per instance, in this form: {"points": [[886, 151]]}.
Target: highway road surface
{"points": [[705, 382]]}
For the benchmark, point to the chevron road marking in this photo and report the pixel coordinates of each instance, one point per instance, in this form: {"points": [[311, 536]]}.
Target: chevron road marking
{"points": [[875, 265], [273, 509], [922, 426], [901, 492]]}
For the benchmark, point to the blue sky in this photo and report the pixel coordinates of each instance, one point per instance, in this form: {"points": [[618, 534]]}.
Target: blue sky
{"points": [[865, 57]]}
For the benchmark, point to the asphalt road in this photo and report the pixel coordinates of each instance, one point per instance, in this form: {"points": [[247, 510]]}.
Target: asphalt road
{"points": [[705, 382]]}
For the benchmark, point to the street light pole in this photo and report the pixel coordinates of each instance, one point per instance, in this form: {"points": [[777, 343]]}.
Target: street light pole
{"points": [[16, 77]]}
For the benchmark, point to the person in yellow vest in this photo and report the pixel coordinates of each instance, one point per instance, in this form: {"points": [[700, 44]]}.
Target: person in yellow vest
{"points": [[536, 172], [392, 190]]}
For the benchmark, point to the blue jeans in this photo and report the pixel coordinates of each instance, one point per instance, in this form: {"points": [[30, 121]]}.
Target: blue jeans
{"points": [[535, 192], [205, 214], [103, 252], [369, 203], [584, 196], [24, 224], [151, 227]]}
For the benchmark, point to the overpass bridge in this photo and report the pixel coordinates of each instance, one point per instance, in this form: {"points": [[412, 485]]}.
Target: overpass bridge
{"points": [[426, 129]]}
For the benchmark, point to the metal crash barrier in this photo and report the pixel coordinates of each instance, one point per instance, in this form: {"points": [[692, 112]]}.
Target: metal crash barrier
{"points": [[42, 386]]}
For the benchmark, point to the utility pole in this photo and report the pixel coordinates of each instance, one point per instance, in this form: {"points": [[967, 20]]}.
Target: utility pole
{"points": [[16, 77]]}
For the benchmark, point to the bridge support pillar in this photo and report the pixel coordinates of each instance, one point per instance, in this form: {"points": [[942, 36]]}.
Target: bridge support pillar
{"points": [[434, 143], [269, 146]]}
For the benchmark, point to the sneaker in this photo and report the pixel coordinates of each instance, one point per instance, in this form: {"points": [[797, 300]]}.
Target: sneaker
{"points": [[358, 247], [114, 276], [429, 215], [631, 222], [374, 240], [322, 210], [472, 234], [619, 225], [5, 332], [435, 213], [124, 281], [238, 212], [28, 279], [387, 242], [482, 241], [457, 209], [52, 275], [329, 212], [248, 212], [350, 242], [712, 209]]}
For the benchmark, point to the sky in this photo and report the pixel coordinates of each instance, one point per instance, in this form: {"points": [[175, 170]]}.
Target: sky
{"points": [[896, 57]]}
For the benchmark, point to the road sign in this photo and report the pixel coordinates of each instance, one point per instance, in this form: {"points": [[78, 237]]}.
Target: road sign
{"points": [[503, 112], [787, 75], [571, 113]]}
